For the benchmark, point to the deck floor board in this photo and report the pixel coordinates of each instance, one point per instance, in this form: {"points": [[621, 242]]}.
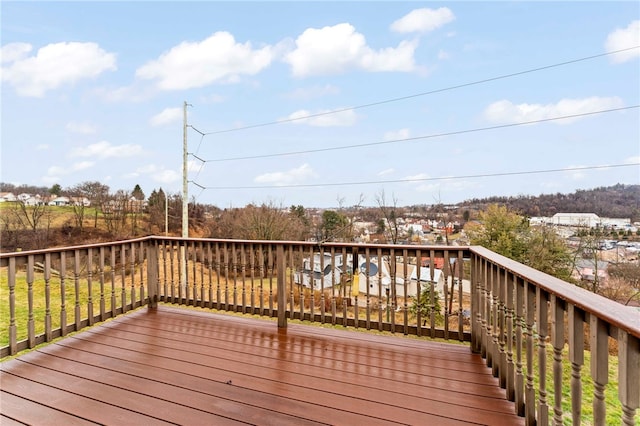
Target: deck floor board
{"points": [[185, 366]]}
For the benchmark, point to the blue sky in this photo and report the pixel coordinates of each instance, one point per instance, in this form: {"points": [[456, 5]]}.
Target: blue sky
{"points": [[94, 91]]}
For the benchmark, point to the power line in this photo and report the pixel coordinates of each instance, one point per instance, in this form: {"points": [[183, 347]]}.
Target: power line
{"points": [[431, 92], [485, 175], [437, 135]]}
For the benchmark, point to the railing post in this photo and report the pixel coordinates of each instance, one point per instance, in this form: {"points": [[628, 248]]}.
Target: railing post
{"points": [[281, 287], [576, 356], [152, 273], [628, 375]]}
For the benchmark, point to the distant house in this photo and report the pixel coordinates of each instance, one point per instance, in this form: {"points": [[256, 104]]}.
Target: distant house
{"points": [[587, 220], [59, 201], [587, 270], [7, 196]]}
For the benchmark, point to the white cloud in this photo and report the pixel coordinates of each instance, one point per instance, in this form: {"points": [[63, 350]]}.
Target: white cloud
{"points": [[624, 38], [386, 172], [505, 111], [42, 147], [423, 20], [397, 135], [296, 175], [633, 160], [14, 52], [339, 119], [104, 149], [54, 65], [313, 92], [167, 176], [575, 174], [333, 50], [443, 55], [167, 116], [218, 58], [54, 172], [82, 128]]}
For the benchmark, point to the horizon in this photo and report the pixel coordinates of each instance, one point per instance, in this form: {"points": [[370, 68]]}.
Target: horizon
{"points": [[308, 103]]}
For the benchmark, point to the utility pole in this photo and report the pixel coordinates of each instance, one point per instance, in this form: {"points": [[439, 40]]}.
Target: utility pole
{"points": [[185, 185], [185, 206]]}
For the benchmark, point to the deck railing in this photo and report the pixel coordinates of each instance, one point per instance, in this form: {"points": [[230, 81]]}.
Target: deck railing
{"points": [[529, 326]]}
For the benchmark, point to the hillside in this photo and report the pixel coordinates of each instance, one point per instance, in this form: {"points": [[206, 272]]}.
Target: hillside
{"points": [[620, 201]]}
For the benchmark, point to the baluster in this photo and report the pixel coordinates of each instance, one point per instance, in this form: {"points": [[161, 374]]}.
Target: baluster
{"points": [[31, 329], [333, 282], [252, 261], [418, 293], [380, 304], [123, 278], [599, 345], [153, 277], [165, 287], [459, 269], [312, 290], [193, 255], [576, 356], [433, 297], [270, 269], [301, 289], [312, 282], [501, 287], [475, 301], [141, 254], [234, 259], [282, 301], [557, 340], [519, 383], [13, 331], [103, 305], [47, 297], [76, 283], [63, 294], [112, 267], [343, 288], [292, 309], [496, 349], [202, 261], [90, 286], [509, 366], [490, 316], [367, 261], [218, 277], [172, 283], [243, 266], [133, 276], [530, 396], [405, 306], [226, 276], [210, 272], [628, 376], [445, 291], [189, 284], [394, 296], [261, 272], [542, 320], [487, 337]]}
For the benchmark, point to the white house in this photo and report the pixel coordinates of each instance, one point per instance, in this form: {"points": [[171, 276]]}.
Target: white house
{"points": [[7, 196], [587, 220], [59, 201], [374, 277]]}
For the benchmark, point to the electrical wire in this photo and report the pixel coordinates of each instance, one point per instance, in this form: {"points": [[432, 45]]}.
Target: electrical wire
{"points": [[431, 92], [437, 135], [477, 176]]}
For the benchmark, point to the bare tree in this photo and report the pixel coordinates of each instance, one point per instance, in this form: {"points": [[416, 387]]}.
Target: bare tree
{"points": [[34, 218], [390, 216], [115, 210]]}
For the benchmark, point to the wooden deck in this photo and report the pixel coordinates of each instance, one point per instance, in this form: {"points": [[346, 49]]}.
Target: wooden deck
{"points": [[178, 366]]}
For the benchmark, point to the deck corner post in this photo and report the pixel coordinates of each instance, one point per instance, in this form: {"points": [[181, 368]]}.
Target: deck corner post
{"points": [[281, 287], [152, 273]]}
